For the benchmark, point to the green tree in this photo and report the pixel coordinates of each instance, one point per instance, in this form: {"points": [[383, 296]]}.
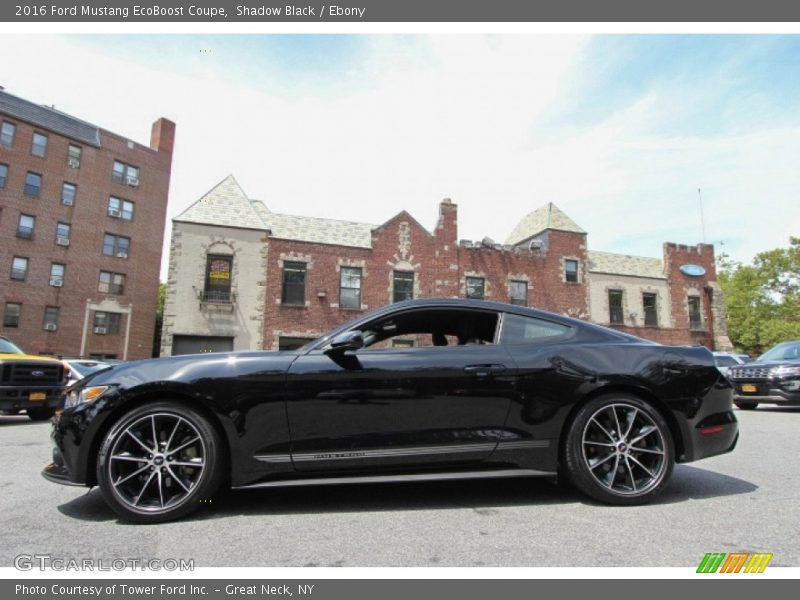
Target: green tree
{"points": [[763, 299], [162, 295]]}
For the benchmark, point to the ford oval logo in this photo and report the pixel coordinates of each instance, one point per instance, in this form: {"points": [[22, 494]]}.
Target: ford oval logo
{"points": [[693, 270], [37, 373]]}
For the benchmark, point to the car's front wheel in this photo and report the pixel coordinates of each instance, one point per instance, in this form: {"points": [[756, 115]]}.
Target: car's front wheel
{"points": [[619, 450], [40, 414], [159, 462], [745, 405]]}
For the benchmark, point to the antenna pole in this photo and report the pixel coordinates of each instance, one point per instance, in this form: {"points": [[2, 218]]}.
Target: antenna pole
{"points": [[702, 218]]}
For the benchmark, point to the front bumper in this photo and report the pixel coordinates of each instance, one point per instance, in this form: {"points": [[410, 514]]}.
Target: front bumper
{"points": [[769, 392], [22, 398]]}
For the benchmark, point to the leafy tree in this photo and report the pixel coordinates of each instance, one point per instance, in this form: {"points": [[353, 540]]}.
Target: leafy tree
{"points": [[763, 299], [162, 295]]}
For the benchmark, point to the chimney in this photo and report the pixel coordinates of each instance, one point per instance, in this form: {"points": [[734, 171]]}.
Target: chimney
{"points": [[162, 136]]}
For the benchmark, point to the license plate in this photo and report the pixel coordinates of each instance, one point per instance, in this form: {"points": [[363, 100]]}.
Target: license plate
{"points": [[34, 396], [749, 388]]}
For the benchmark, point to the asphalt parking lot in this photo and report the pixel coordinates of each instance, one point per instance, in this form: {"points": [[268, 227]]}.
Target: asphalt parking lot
{"points": [[743, 501]]}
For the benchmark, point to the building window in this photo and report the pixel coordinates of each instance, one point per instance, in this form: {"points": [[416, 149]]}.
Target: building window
{"points": [[33, 184], [12, 314], [63, 231], [402, 286], [650, 306], [120, 209], [74, 156], [571, 270], [126, 174], [25, 226], [218, 279], [39, 144], [350, 287], [3, 175], [519, 293], [50, 322], [695, 319], [475, 287], [57, 271], [68, 193], [615, 314], [19, 268], [294, 283], [106, 323], [111, 283], [116, 245], [7, 133]]}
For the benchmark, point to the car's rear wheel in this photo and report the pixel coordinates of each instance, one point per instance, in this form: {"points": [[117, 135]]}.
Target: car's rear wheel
{"points": [[744, 405], [619, 450], [160, 462], [40, 414]]}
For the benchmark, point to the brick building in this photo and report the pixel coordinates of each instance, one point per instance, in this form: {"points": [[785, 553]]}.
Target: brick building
{"points": [[244, 278], [82, 215]]}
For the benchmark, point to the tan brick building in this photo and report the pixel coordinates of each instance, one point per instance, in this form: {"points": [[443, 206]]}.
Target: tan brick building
{"points": [[82, 215], [245, 278]]}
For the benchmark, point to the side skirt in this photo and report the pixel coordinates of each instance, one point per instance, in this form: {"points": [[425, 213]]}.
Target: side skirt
{"points": [[441, 476]]}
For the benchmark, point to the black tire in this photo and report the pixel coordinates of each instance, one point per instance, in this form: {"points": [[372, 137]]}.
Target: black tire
{"points": [[745, 405], [619, 450], [160, 462], [40, 414]]}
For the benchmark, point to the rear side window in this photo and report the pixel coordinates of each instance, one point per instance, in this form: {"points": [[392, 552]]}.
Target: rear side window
{"points": [[528, 330]]}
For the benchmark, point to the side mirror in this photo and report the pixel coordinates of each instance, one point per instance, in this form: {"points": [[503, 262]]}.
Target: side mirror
{"points": [[349, 340]]}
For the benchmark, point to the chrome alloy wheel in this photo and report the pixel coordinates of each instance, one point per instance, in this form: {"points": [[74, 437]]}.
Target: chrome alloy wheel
{"points": [[156, 462], [624, 449]]}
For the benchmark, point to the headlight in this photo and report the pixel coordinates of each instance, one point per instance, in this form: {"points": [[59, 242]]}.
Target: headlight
{"points": [[785, 372], [87, 394]]}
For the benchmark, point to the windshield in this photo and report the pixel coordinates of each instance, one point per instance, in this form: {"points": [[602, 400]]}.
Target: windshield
{"points": [[784, 351], [6, 347]]}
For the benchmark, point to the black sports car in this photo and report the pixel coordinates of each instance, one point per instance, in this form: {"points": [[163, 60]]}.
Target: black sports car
{"points": [[434, 388]]}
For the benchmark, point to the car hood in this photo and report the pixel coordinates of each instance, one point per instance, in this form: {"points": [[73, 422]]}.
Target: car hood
{"points": [[29, 357], [767, 365], [190, 368]]}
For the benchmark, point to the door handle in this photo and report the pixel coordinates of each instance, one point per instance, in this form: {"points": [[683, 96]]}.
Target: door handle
{"points": [[484, 370]]}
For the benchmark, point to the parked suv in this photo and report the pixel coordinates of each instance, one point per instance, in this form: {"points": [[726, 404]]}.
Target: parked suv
{"points": [[30, 383], [773, 378]]}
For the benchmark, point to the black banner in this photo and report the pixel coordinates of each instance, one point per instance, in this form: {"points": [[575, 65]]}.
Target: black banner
{"points": [[372, 11], [388, 589]]}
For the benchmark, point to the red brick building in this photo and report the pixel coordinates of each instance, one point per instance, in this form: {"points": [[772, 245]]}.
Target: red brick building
{"points": [[82, 214], [242, 277]]}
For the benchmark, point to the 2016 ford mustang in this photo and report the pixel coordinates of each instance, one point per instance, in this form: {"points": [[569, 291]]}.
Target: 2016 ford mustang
{"points": [[434, 388]]}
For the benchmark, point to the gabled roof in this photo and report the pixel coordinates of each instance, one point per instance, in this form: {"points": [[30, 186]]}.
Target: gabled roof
{"points": [[548, 216], [321, 231], [624, 264], [227, 205], [50, 118]]}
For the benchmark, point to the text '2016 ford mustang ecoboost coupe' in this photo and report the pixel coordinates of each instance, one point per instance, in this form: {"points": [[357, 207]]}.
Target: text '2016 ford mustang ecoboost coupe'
{"points": [[435, 388]]}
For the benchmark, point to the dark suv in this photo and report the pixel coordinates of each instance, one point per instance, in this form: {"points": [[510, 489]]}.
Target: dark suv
{"points": [[773, 378]]}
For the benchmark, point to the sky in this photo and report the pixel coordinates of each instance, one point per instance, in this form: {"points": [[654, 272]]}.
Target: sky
{"points": [[640, 139]]}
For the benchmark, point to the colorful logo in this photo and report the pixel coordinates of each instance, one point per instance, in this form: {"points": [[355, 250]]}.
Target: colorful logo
{"points": [[736, 562]]}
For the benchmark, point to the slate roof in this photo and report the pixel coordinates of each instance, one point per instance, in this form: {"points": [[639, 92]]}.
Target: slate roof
{"points": [[548, 216], [227, 205], [624, 264], [50, 118]]}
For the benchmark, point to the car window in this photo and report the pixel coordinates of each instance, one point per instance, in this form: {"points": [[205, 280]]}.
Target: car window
{"points": [[518, 329], [6, 347], [725, 361], [785, 351], [431, 327]]}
